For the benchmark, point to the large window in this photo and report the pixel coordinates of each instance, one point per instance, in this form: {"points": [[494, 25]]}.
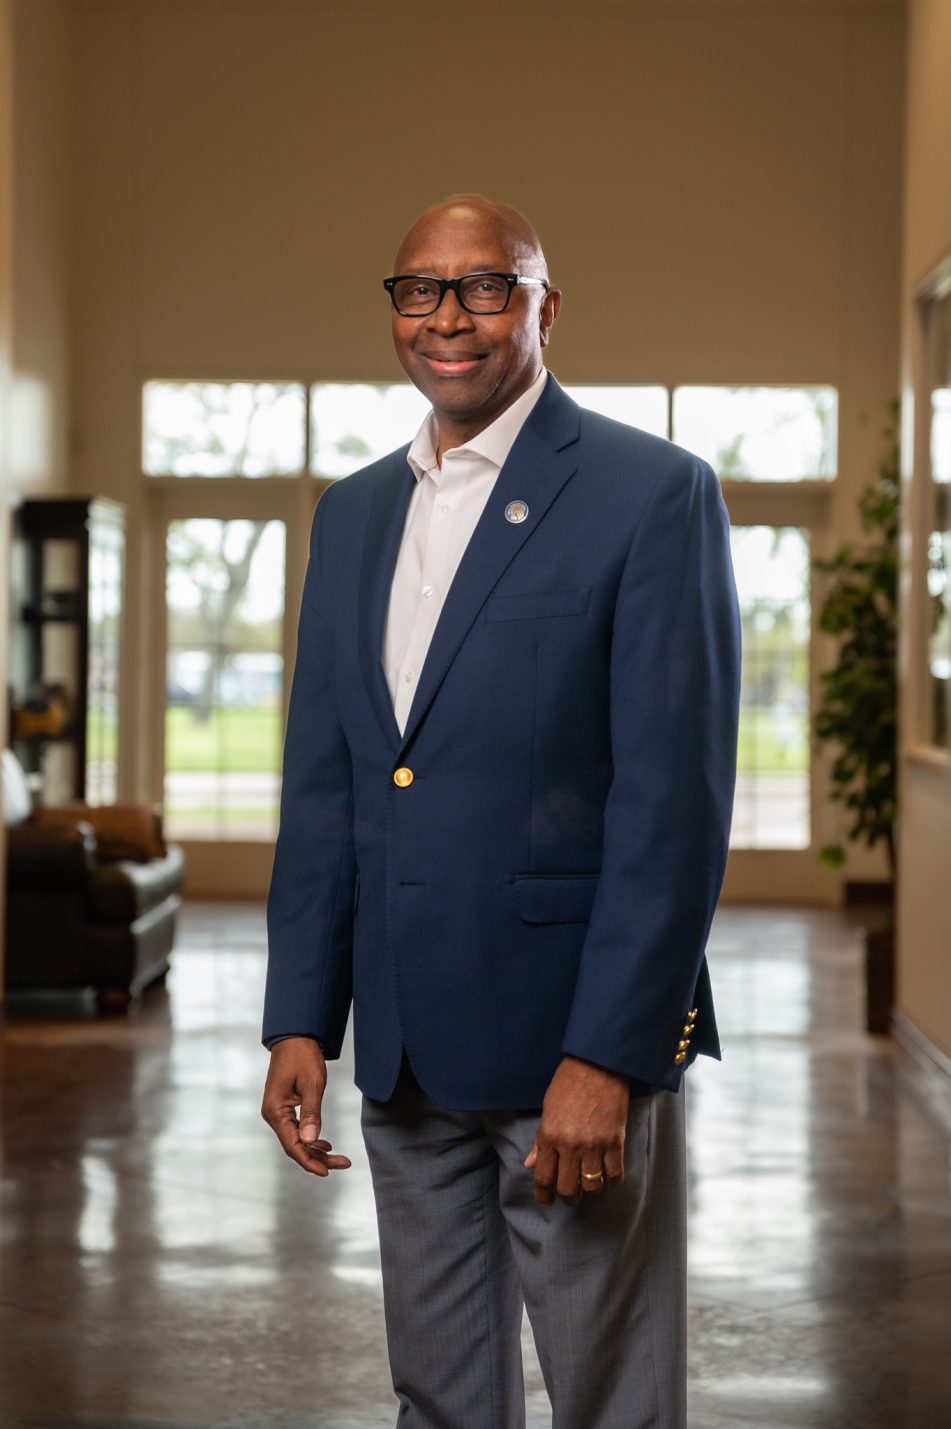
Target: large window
{"points": [[937, 703], [760, 433], [644, 407], [775, 434], [354, 423], [106, 558], [772, 786], [223, 428], [224, 680]]}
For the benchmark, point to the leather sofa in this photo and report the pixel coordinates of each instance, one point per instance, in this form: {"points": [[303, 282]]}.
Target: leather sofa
{"points": [[77, 917]]}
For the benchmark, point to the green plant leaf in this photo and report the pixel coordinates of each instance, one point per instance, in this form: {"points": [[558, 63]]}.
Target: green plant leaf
{"points": [[856, 713], [832, 856]]}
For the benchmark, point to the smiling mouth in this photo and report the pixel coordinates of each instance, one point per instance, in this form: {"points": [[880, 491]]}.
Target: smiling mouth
{"points": [[448, 364]]}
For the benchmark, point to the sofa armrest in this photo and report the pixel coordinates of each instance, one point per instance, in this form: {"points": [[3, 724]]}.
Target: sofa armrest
{"points": [[56, 859], [122, 892]]}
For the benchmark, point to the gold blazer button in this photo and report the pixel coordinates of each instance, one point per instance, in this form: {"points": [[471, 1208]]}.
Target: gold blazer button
{"points": [[403, 778]]}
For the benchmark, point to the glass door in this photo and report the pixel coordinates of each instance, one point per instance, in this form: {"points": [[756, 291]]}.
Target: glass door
{"points": [[224, 678]]}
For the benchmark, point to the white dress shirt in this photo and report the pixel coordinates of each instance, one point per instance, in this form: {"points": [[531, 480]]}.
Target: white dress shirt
{"points": [[443, 512]]}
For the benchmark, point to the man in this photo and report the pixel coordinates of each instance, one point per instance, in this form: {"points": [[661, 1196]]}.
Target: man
{"points": [[508, 782]]}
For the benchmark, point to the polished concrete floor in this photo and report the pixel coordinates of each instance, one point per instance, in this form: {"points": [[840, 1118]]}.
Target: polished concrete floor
{"points": [[162, 1263]]}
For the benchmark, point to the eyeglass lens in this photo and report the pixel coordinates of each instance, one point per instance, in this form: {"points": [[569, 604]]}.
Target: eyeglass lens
{"points": [[478, 293]]}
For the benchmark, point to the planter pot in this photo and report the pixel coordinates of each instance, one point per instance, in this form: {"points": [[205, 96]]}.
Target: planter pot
{"points": [[879, 978]]}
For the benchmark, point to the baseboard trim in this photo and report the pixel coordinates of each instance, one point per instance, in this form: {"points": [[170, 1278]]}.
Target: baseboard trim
{"points": [[919, 1046]]}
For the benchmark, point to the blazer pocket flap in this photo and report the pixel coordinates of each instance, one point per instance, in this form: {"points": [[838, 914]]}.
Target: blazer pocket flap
{"points": [[555, 900], [536, 604]]}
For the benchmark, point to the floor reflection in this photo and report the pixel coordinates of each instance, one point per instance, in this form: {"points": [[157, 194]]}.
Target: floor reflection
{"points": [[162, 1263]]}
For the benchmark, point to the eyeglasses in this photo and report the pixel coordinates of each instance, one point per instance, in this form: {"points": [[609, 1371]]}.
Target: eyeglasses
{"points": [[415, 295]]}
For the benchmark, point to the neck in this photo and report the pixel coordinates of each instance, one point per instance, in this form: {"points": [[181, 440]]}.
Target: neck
{"points": [[455, 430]]}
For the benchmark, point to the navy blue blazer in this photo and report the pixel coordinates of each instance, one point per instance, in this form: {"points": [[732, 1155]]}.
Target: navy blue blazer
{"points": [[545, 883]]}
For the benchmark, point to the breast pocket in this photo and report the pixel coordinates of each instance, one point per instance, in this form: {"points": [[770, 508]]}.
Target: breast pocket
{"points": [[537, 605]]}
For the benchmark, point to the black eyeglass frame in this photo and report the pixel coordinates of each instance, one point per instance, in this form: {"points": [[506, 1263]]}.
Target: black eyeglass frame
{"points": [[445, 284]]}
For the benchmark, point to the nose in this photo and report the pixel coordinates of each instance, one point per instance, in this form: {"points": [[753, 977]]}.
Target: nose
{"points": [[450, 316]]}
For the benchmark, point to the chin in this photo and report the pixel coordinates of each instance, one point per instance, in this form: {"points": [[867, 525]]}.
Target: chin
{"points": [[453, 395]]}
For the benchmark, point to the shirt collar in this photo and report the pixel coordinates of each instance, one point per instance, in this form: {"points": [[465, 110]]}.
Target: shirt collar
{"points": [[493, 443]]}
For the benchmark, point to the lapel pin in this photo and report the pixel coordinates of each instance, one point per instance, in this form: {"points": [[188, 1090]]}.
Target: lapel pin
{"points": [[516, 512]]}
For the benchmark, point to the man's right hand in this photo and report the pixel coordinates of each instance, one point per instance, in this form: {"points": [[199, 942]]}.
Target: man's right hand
{"points": [[297, 1077]]}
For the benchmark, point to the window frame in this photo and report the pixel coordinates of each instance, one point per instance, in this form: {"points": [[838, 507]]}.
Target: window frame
{"points": [[915, 729]]}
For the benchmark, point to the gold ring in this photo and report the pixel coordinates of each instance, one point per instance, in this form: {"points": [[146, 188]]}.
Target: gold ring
{"points": [[592, 1175]]}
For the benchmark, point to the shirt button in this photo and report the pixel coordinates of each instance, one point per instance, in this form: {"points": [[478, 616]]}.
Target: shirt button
{"points": [[427, 592], [408, 677], [445, 508]]}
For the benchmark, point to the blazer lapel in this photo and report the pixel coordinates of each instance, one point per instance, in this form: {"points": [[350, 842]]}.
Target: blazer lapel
{"points": [[538, 466], [384, 529]]}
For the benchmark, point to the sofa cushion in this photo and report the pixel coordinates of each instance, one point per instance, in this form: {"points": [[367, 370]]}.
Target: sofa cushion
{"points": [[121, 892], [123, 831]]}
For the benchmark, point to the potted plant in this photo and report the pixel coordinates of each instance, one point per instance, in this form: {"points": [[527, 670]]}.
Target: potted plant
{"points": [[857, 712]]}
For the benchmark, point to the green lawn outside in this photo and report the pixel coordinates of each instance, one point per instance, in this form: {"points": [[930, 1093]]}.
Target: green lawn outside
{"points": [[239, 740], [771, 745], [101, 729], [249, 740]]}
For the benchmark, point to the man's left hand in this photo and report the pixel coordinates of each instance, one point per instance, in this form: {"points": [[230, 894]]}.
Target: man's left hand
{"points": [[581, 1133]]}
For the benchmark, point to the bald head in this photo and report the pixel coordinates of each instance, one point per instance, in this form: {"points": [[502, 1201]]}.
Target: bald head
{"points": [[475, 212]]}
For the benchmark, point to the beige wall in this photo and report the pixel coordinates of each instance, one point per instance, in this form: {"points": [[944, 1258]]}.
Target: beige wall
{"points": [[924, 888], [717, 185], [735, 165], [35, 113], [40, 392]]}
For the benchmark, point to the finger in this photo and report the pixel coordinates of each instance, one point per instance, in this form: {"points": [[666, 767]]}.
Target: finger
{"points": [[546, 1172], [286, 1130], [614, 1163], [310, 1113], [333, 1163], [532, 1156], [319, 1162], [592, 1175], [309, 1156], [569, 1177], [321, 1148]]}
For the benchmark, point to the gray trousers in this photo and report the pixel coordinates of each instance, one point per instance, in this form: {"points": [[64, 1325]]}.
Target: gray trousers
{"points": [[464, 1245]]}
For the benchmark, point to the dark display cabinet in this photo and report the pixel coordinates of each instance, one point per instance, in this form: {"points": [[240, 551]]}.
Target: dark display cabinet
{"points": [[67, 588]]}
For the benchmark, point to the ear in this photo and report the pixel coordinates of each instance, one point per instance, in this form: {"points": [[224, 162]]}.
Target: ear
{"points": [[549, 310]]}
